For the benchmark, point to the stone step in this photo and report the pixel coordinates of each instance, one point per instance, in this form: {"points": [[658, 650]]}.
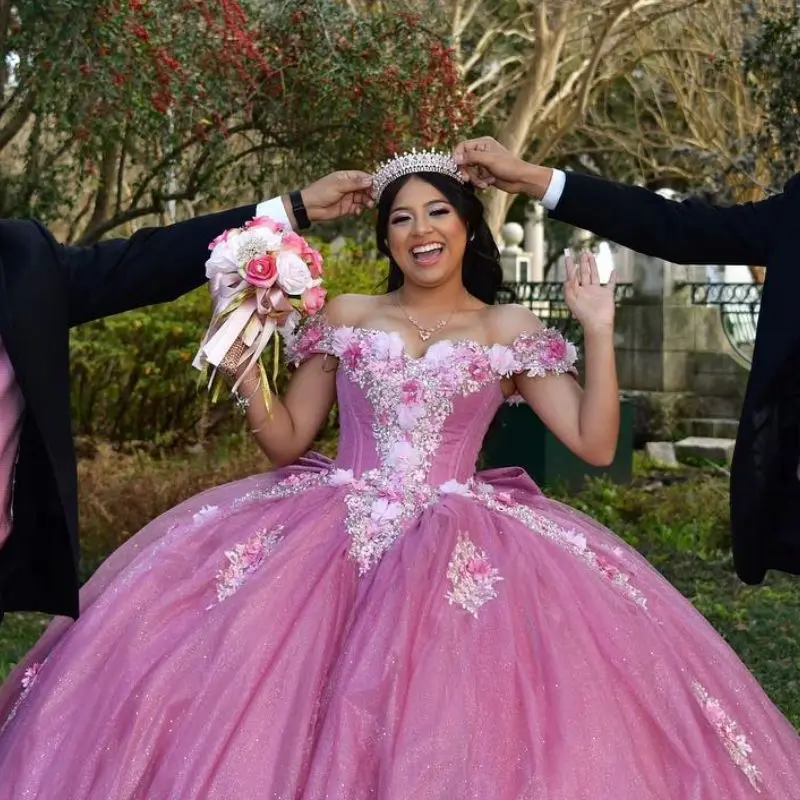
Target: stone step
{"points": [[698, 407], [662, 454], [712, 427], [707, 448]]}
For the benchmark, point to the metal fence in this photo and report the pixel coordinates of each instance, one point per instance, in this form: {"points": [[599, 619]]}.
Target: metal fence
{"points": [[546, 300], [739, 306]]}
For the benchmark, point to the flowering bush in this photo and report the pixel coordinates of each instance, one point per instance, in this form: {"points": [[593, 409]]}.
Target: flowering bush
{"points": [[123, 107]]}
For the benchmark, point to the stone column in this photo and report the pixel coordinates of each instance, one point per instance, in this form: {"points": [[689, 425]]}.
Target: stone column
{"points": [[534, 240], [515, 261]]}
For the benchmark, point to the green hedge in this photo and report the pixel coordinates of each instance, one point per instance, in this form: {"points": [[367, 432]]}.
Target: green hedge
{"points": [[132, 375]]}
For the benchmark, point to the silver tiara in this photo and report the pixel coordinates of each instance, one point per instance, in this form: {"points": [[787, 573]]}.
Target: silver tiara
{"points": [[412, 163]]}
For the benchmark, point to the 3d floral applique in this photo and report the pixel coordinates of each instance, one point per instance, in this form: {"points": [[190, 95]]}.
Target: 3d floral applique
{"points": [[27, 682], [731, 735], [472, 577], [244, 560]]}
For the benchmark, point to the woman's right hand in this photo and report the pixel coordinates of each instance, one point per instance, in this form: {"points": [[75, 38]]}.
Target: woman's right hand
{"points": [[486, 163]]}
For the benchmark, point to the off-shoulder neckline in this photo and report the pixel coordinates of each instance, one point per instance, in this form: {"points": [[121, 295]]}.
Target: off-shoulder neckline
{"points": [[472, 344]]}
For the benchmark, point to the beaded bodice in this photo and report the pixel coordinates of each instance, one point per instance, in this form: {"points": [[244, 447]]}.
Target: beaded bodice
{"points": [[422, 419]]}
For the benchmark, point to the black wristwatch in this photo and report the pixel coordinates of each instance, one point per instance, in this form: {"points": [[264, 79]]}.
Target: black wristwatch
{"points": [[299, 210]]}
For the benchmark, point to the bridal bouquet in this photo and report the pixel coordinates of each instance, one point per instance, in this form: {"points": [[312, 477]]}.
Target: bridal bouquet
{"points": [[263, 278]]}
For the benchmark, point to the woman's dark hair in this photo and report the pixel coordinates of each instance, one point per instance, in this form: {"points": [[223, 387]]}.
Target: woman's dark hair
{"points": [[481, 271]]}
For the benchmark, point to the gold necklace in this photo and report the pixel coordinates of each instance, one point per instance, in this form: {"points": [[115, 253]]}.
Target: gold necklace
{"points": [[424, 333]]}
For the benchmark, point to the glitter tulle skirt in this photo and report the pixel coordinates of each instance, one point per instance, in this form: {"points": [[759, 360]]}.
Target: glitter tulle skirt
{"points": [[503, 647]]}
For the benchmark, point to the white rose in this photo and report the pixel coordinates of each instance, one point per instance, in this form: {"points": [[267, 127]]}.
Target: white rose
{"points": [[222, 260], [294, 276]]}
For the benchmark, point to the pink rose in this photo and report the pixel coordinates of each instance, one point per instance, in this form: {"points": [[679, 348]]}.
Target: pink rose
{"points": [[261, 271], [293, 241], [265, 222], [313, 258], [313, 299]]}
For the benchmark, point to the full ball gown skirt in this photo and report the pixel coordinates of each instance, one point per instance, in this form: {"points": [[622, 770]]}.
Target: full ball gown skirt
{"points": [[390, 625]]}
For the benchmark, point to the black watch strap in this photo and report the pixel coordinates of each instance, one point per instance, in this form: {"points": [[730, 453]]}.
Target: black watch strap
{"points": [[299, 210]]}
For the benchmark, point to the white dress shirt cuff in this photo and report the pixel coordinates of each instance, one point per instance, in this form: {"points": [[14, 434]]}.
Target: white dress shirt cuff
{"points": [[274, 209], [554, 189]]}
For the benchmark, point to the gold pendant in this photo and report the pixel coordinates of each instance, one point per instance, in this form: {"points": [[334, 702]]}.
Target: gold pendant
{"points": [[424, 335]]}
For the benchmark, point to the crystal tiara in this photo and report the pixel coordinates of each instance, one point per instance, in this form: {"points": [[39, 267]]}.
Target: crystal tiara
{"points": [[412, 163]]}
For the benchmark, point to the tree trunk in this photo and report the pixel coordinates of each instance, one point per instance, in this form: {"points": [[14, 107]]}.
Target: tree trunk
{"points": [[497, 205], [105, 189]]}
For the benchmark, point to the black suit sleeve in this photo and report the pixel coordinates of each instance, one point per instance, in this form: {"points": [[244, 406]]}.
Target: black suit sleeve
{"points": [[687, 232], [153, 266]]}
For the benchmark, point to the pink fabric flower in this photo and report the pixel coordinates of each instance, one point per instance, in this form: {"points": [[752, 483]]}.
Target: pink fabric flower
{"points": [[554, 350], [313, 299], [411, 392], [387, 346], [341, 477], [342, 338], [261, 271], [480, 368], [30, 675], [408, 416], [479, 567], [440, 353], [353, 353], [307, 342], [403, 456], [449, 378], [502, 360], [576, 540], [454, 487], [385, 510]]}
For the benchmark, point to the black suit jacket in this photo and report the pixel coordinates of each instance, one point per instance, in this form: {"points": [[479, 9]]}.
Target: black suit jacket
{"points": [[765, 482], [46, 288]]}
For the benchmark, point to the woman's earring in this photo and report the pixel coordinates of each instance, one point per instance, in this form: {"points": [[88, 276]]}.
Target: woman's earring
{"points": [[472, 236]]}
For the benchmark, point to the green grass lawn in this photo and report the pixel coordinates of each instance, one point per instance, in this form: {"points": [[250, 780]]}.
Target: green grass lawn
{"points": [[678, 520]]}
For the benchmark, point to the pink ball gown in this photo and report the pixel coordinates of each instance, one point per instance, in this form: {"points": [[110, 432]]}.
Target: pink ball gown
{"points": [[390, 625]]}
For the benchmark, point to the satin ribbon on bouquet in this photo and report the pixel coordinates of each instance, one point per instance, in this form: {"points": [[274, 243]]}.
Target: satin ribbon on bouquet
{"points": [[262, 277]]}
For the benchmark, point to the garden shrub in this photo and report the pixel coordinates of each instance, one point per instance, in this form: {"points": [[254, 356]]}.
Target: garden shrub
{"points": [[132, 378]]}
